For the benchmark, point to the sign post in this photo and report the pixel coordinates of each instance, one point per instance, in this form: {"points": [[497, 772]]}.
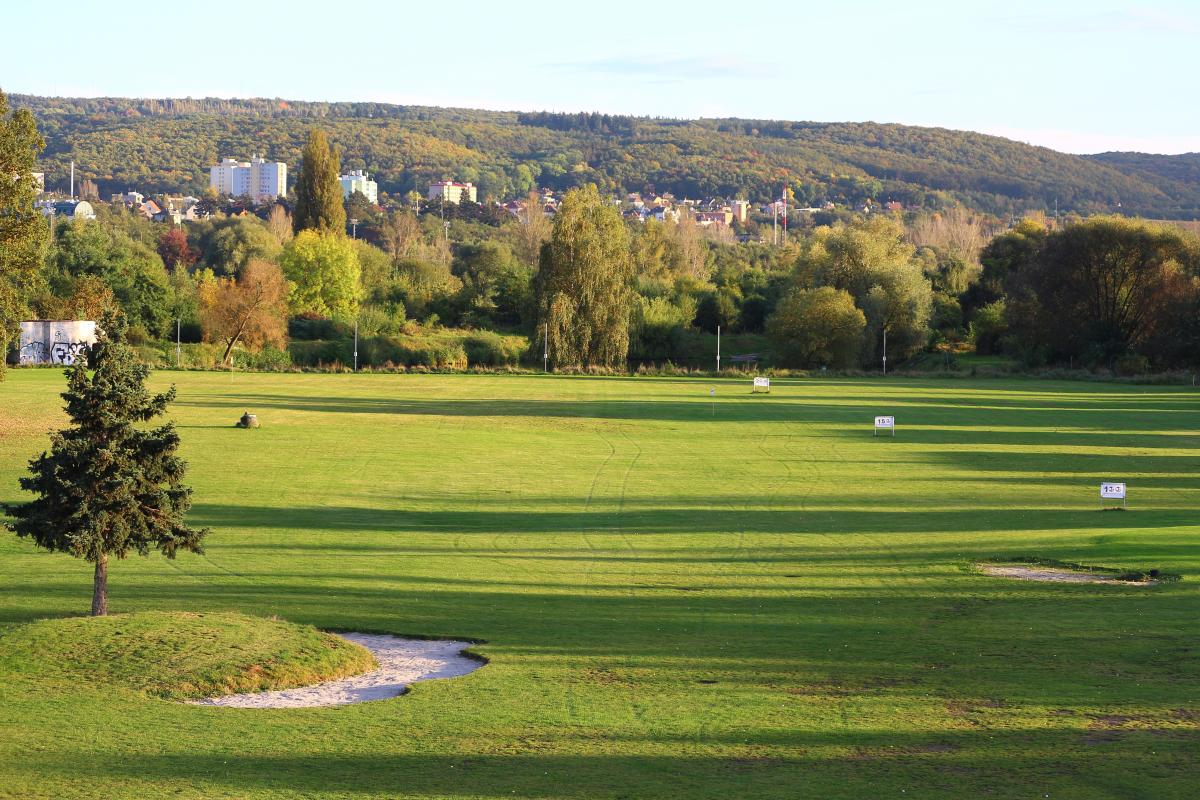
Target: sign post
{"points": [[761, 385], [884, 424], [1112, 491]]}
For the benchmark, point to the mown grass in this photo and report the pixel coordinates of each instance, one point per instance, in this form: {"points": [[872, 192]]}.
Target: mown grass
{"points": [[180, 654], [680, 595]]}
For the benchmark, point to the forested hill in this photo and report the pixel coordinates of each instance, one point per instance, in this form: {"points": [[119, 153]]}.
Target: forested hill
{"points": [[168, 145]]}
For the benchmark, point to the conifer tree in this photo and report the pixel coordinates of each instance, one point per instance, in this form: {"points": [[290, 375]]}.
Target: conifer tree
{"points": [[108, 486], [318, 194]]}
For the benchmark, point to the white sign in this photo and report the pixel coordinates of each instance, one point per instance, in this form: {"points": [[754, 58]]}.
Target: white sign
{"points": [[762, 385], [1112, 491], [885, 424]]}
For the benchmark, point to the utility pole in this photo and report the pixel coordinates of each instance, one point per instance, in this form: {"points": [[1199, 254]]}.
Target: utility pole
{"points": [[885, 350]]}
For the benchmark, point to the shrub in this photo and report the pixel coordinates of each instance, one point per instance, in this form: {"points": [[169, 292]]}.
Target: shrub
{"points": [[1131, 364]]}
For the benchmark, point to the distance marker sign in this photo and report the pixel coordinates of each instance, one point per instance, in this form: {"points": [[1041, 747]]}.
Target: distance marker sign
{"points": [[885, 424], [1112, 491]]}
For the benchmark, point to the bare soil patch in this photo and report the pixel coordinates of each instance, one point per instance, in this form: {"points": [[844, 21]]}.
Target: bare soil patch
{"points": [[1055, 575]]}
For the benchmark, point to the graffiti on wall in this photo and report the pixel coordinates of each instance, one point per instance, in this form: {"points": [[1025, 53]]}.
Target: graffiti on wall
{"points": [[55, 341]]}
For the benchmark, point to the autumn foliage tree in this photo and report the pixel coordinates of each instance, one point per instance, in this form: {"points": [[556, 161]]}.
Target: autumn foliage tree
{"points": [[109, 486], [251, 310], [174, 250]]}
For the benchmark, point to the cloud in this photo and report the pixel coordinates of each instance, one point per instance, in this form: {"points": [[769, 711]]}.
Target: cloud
{"points": [[664, 70]]}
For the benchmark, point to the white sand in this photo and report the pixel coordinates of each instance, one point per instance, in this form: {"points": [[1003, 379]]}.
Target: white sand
{"points": [[1055, 575], [401, 662]]}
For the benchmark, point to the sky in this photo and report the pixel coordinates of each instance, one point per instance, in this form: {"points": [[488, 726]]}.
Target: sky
{"points": [[1081, 76]]}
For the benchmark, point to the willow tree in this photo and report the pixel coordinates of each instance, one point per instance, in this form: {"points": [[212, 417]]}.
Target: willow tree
{"points": [[109, 486], [319, 204], [584, 283]]}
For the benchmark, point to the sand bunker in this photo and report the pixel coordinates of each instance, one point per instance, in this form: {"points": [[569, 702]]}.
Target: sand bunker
{"points": [[401, 662], [1054, 575]]}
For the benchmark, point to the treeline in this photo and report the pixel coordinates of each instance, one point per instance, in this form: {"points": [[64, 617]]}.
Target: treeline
{"points": [[288, 283], [167, 145]]}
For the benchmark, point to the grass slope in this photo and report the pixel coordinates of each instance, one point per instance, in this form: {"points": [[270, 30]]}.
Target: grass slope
{"points": [[743, 597], [180, 654]]}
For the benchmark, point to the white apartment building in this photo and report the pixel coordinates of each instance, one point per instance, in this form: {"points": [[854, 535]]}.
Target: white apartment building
{"points": [[257, 178], [358, 181], [451, 192]]}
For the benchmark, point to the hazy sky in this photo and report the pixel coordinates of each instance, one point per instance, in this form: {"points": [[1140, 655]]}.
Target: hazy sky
{"points": [[1077, 75]]}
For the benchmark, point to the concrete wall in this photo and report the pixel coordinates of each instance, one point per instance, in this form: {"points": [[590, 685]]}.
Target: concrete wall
{"points": [[55, 341]]}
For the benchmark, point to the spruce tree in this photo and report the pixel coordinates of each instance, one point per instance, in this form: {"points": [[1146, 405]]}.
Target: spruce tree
{"points": [[109, 486], [318, 193]]}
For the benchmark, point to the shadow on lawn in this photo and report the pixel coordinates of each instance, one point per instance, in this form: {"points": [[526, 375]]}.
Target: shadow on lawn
{"points": [[676, 521], [830, 764]]}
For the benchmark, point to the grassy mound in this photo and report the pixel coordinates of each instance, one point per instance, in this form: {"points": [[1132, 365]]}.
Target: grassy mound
{"points": [[182, 655]]}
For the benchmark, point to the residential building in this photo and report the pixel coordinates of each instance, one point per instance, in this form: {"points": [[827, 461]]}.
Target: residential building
{"points": [[258, 179], [741, 210], [358, 181], [722, 216], [130, 199], [451, 191]]}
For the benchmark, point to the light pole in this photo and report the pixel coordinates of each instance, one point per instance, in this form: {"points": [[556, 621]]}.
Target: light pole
{"points": [[356, 345], [353, 228], [178, 347], [546, 348]]}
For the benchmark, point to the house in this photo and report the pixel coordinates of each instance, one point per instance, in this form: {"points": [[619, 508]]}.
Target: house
{"points": [[129, 199], [723, 216], [149, 209]]}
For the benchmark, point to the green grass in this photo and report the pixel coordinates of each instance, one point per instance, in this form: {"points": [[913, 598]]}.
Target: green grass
{"points": [[179, 654], [745, 597]]}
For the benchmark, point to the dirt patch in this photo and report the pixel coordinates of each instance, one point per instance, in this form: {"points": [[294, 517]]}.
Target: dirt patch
{"points": [[1053, 575], [401, 662]]}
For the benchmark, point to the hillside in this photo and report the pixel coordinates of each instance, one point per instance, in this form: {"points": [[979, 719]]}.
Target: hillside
{"points": [[167, 145]]}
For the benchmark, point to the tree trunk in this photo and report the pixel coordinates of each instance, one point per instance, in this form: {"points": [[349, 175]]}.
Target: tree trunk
{"points": [[100, 588]]}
